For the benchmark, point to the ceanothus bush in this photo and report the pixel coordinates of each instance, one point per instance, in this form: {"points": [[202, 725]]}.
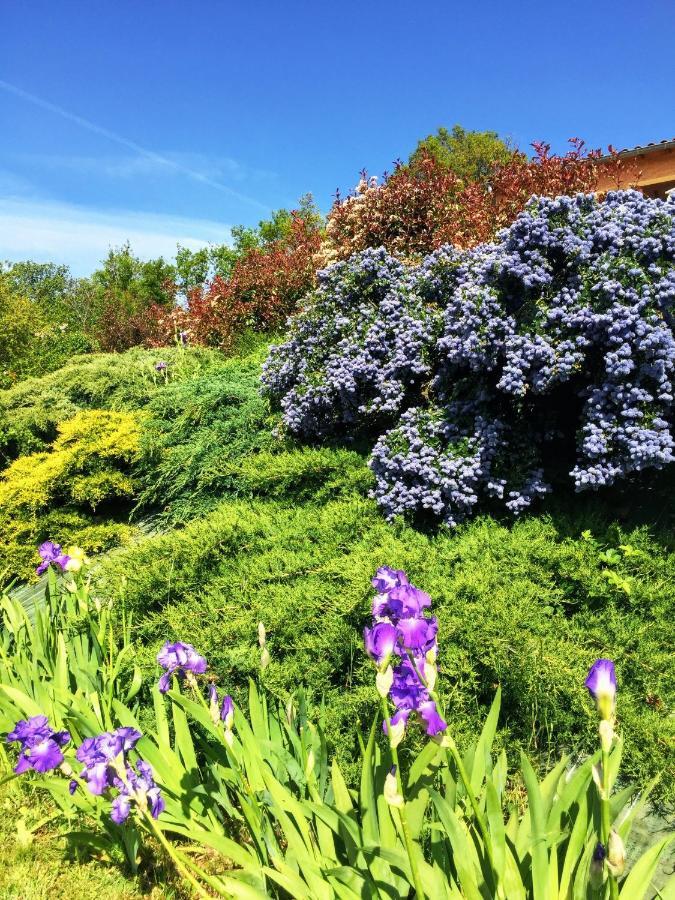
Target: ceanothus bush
{"points": [[357, 352], [490, 367]]}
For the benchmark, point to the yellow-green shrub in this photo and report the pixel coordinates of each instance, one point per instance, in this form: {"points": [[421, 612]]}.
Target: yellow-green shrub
{"points": [[54, 493]]}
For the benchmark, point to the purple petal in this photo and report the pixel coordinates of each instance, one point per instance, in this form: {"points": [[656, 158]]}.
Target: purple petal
{"points": [[120, 809], [418, 634], [45, 756], [129, 737], [156, 802], [429, 714], [22, 765], [164, 683], [98, 778], [380, 640], [601, 678]]}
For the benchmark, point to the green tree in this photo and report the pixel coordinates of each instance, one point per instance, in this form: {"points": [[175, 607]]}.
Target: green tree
{"points": [[471, 155]]}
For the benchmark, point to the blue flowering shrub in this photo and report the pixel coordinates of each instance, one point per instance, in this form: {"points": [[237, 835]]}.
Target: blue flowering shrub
{"points": [[485, 378], [358, 351]]}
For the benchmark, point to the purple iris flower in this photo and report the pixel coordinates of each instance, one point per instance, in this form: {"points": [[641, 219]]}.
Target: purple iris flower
{"points": [[40, 745], [99, 754], [433, 721], [179, 659], [402, 627], [51, 553], [386, 579], [601, 680], [161, 366], [418, 634], [139, 787], [227, 710], [120, 808], [380, 641]]}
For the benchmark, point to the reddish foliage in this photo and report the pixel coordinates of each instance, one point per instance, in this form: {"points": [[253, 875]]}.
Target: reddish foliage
{"points": [[126, 321], [417, 209], [263, 289]]}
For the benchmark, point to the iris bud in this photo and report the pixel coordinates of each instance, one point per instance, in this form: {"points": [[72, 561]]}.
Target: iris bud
{"points": [[391, 794], [262, 635], [606, 731], [384, 681], [616, 854], [396, 733], [430, 673], [598, 871], [265, 658]]}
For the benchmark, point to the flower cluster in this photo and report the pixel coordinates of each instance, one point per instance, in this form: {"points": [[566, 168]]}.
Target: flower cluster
{"points": [[486, 376], [181, 660], [52, 555], [40, 745], [402, 632], [107, 768], [358, 351]]}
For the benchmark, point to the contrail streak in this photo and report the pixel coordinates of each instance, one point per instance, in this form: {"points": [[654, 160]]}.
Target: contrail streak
{"points": [[125, 142]]}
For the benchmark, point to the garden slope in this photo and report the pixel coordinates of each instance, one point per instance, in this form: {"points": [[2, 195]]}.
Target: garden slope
{"points": [[522, 605]]}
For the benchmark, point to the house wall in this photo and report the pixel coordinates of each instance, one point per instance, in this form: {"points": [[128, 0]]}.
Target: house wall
{"points": [[656, 170]]}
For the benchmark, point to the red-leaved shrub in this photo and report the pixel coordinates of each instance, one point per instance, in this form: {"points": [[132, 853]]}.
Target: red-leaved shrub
{"points": [[418, 208], [262, 290]]}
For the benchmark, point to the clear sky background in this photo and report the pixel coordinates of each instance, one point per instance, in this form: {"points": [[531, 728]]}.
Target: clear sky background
{"points": [[166, 122]]}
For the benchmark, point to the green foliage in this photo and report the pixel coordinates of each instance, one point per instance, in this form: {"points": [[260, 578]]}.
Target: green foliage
{"points": [[195, 267], [254, 808], [196, 433], [524, 605], [31, 341], [31, 410], [89, 464], [471, 155]]}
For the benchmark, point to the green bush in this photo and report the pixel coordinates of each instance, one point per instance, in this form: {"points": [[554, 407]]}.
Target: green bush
{"points": [[196, 434], [524, 606], [31, 410], [87, 466]]}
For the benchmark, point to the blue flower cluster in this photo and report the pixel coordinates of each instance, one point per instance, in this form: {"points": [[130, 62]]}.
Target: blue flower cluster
{"points": [[490, 367], [357, 353]]}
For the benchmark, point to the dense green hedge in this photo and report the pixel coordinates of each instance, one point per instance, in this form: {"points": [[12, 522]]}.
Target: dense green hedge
{"points": [[31, 410], [524, 605]]}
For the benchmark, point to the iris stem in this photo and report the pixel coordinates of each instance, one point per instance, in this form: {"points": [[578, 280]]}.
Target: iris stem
{"points": [[605, 820], [454, 752], [175, 858], [405, 827]]}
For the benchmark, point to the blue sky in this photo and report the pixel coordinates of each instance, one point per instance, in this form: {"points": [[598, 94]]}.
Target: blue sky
{"points": [[167, 122]]}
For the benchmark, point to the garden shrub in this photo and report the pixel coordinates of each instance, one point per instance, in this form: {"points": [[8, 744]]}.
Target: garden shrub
{"points": [[31, 410], [194, 435], [523, 606], [419, 207], [88, 466], [358, 351], [261, 289], [555, 358]]}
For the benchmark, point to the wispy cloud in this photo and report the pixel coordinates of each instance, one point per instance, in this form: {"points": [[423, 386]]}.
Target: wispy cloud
{"points": [[128, 166], [144, 152], [81, 237]]}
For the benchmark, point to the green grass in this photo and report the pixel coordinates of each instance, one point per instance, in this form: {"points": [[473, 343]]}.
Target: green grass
{"points": [[37, 864]]}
